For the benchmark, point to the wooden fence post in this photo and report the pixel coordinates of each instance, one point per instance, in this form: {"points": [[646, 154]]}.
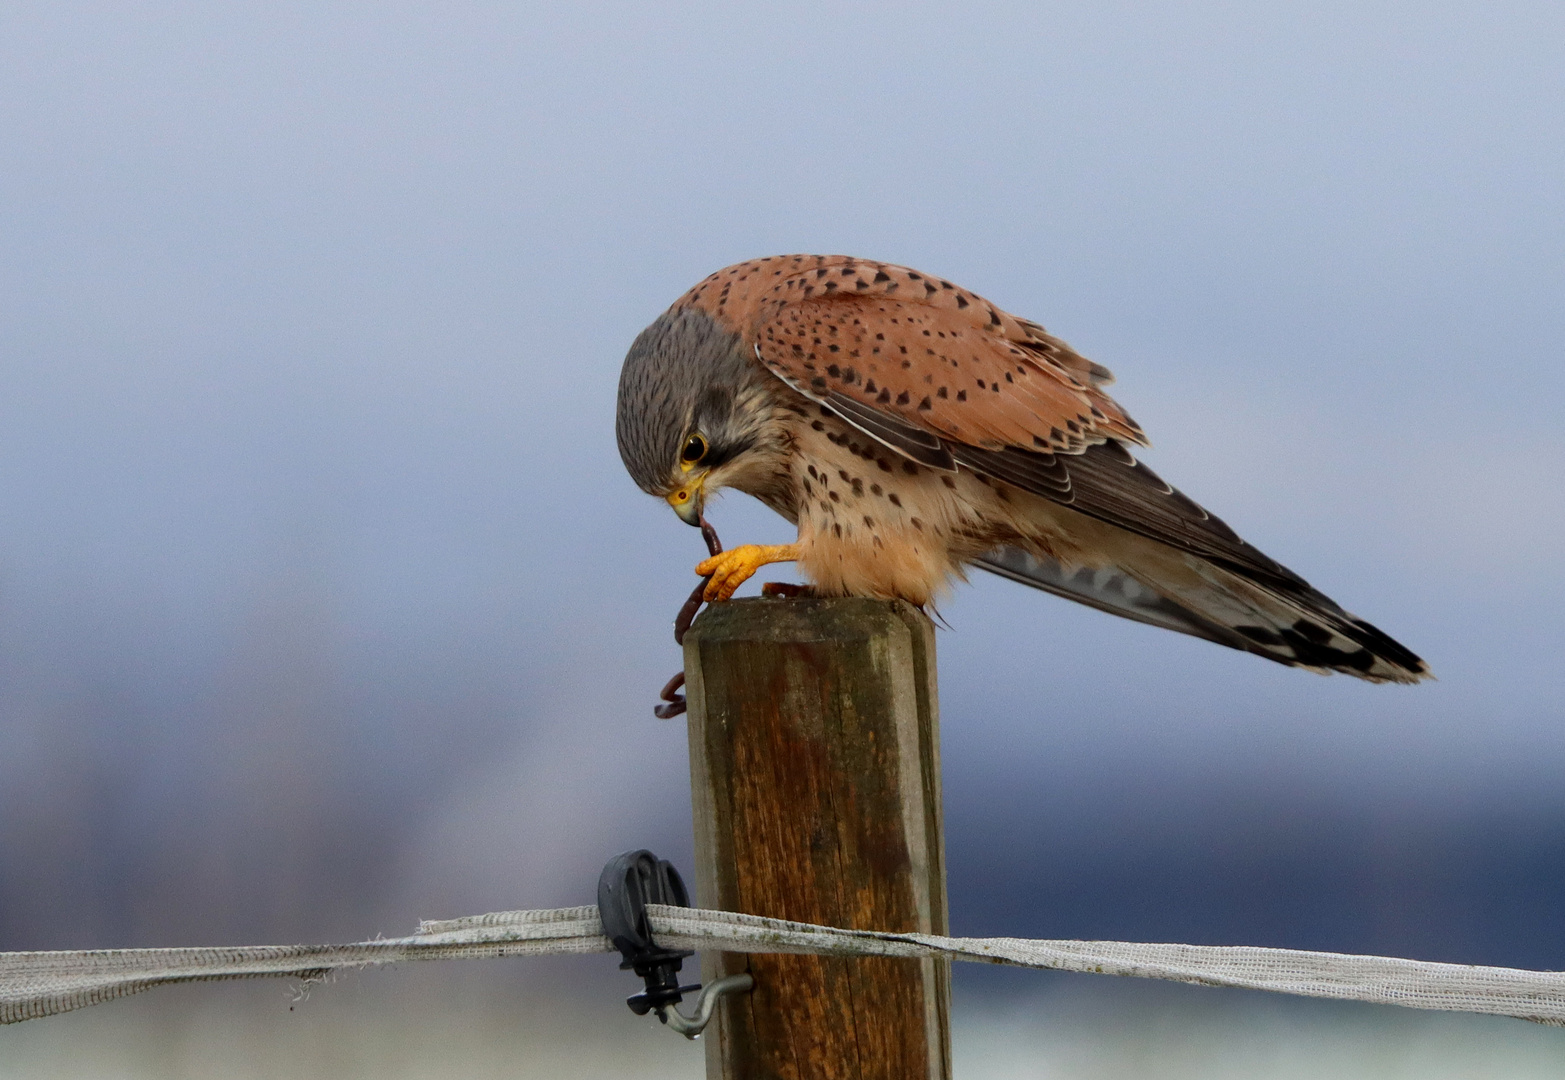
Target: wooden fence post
{"points": [[815, 773]]}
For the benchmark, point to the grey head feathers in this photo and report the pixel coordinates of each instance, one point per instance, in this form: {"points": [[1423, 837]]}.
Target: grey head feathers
{"points": [[684, 373]]}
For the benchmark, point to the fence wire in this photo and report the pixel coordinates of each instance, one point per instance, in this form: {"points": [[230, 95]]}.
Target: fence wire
{"points": [[36, 984]]}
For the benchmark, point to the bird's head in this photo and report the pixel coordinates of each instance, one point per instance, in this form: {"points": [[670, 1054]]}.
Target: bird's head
{"points": [[693, 412]]}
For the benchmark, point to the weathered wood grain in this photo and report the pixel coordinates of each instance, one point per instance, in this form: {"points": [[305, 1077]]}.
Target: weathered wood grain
{"points": [[815, 771]]}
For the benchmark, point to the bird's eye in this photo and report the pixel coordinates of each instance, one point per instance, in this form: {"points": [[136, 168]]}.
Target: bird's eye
{"points": [[694, 450]]}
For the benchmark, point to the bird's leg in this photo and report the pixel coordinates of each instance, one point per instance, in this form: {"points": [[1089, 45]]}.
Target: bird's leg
{"points": [[732, 568]]}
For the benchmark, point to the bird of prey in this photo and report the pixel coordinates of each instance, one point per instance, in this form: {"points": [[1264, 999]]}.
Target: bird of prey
{"points": [[910, 428]]}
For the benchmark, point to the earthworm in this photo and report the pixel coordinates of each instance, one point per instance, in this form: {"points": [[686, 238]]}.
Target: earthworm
{"points": [[687, 614]]}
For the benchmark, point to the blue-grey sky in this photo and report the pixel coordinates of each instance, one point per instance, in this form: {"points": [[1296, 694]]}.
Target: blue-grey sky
{"points": [[310, 322]]}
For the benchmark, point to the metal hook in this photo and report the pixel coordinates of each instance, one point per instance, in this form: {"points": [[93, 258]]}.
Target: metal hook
{"points": [[692, 1026]]}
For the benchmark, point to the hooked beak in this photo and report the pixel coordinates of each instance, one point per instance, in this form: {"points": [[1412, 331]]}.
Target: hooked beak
{"points": [[686, 501]]}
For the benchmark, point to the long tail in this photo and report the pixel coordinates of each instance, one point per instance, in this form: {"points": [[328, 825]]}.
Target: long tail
{"points": [[1291, 624]]}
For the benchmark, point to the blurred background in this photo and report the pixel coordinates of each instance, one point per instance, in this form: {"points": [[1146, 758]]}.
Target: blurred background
{"points": [[326, 604]]}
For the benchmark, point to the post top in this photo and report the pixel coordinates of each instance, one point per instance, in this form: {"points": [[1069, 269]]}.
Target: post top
{"points": [[842, 618]]}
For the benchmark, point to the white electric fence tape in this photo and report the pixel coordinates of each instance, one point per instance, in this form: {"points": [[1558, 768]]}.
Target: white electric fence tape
{"points": [[34, 984]]}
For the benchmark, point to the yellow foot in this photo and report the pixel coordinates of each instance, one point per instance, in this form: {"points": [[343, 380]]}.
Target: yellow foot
{"points": [[731, 569]]}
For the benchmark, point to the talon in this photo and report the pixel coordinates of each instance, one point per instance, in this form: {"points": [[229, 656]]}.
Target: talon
{"points": [[732, 568], [786, 589]]}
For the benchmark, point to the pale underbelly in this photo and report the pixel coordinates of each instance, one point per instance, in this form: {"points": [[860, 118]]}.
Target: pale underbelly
{"points": [[872, 523]]}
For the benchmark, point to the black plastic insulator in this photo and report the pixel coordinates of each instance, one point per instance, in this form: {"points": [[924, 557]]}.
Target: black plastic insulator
{"points": [[627, 885]]}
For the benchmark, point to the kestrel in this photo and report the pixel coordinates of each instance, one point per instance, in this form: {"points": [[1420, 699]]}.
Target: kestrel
{"points": [[911, 428]]}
